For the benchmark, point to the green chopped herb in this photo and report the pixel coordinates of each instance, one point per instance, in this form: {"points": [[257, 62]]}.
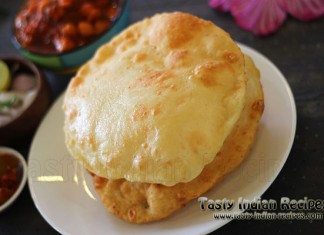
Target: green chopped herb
{"points": [[12, 102]]}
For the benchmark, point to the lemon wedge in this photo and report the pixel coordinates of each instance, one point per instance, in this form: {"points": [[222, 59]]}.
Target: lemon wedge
{"points": [[4, 76]]}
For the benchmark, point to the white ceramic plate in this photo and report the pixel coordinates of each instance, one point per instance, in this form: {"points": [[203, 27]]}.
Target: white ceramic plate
{"points": [[64, 195]]}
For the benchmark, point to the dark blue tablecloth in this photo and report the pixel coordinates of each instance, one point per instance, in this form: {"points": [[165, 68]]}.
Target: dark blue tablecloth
{"points": [[298, 51]]}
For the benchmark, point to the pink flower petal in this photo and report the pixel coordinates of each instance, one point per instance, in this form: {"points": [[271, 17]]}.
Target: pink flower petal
{"points": [[304, 9], [223, 5], [261, 17]]}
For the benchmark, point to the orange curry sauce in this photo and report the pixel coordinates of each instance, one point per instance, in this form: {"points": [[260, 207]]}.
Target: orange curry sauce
{"points": [[55, 26]]}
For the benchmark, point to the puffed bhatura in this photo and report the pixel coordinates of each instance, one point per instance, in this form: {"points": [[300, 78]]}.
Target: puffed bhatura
{"points": [[161, 96], [150, 202], [162, 113]]}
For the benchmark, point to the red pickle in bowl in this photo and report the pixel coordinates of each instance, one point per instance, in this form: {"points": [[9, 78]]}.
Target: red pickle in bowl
{"points": [[9, 176]]}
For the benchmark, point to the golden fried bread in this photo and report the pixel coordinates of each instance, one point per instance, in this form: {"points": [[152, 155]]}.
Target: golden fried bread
{"points": [[143, 202], [157, 102]]}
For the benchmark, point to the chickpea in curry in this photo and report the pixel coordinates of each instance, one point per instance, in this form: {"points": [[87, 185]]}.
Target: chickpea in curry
{"points": [[56, 26]]}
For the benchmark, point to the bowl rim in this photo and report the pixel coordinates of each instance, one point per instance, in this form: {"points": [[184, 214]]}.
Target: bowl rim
{"points": [[18, 45], [23, 181], [39, 83]]}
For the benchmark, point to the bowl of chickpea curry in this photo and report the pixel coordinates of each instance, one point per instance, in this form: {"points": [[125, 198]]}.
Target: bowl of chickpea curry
{"points": [[63, 34]]}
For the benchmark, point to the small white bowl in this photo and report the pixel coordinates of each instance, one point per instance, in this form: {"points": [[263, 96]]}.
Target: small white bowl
{"points": [[23, 177]]}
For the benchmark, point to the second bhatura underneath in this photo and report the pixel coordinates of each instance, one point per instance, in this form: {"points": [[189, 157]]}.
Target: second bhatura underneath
{"points": [[153, 108]]}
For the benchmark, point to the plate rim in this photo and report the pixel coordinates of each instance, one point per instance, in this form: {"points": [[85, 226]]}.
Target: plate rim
{"points": [[245, 48]]}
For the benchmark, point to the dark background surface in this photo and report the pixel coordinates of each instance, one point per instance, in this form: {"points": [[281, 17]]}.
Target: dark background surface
{"points": [[298, 51]]}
